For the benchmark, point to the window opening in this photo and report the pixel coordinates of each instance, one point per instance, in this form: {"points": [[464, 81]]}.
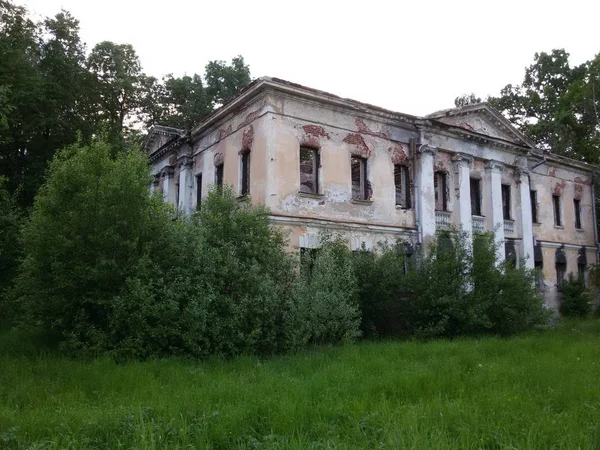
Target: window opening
{"points": [[309, 170]]}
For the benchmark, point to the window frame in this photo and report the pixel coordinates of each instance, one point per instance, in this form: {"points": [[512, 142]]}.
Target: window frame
{"points": [[316, 163], [245, 173], [198, 190], [219, 175], [577, 211], [443, 177], [363, 185], [557, 208], [533, 200], [402, 188], [476, 200], [506, 202]]}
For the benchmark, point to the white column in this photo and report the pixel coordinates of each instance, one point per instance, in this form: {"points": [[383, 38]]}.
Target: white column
{"points": [[462, 165], [186, 186], [427, 194], [526, 219], [493, 179]]}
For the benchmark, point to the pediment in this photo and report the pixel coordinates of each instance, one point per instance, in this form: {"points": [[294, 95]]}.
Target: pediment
{"points": [[482, 119], [159, 136]]}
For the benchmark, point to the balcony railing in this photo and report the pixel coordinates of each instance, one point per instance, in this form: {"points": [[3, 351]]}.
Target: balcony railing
{"points": [[443, 220], [509, 227], [478, 223]]}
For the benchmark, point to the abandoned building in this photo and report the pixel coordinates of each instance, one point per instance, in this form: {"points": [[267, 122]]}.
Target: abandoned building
{"points": [[319, 162]]}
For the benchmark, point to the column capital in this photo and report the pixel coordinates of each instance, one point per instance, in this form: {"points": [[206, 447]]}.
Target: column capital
{"points": [[424, 149], [462, 159], [185, 162], [493, 165], [167, 172]]}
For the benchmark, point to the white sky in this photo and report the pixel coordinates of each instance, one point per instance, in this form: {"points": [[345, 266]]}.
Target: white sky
{"points": [[414, 57]]}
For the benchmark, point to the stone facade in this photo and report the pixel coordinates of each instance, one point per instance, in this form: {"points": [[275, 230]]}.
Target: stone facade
{"points": [[321, 162]]}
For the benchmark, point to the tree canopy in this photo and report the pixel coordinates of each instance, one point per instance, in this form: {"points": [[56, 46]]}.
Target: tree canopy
{"points": [[557, 105], [54, 94]]}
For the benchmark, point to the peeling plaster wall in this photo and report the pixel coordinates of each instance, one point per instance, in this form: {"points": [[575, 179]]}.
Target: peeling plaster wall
{"points": [[337, 136]]}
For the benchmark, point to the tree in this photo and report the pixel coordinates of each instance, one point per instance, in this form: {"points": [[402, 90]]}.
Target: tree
{"points": [[556, 105], [224, 81], [96, 213], [118, 71], [466, 99]]}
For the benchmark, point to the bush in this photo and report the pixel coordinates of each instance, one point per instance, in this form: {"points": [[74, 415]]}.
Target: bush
{"points": [[574, 298], [324, 308], [11, 218], [92, 223], [450, 291]]}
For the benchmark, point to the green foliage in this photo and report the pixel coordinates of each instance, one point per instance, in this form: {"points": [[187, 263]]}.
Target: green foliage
{"points": [[92, 222], [466, 393], [557, 105], [574, 298], [10, 249], [324, 308], [450, 291], [466, 99], [224, 81]]}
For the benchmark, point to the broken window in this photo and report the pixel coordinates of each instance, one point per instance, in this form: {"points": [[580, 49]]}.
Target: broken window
{"points": [[439, 184], [309, 170], [561, 268], [557, 214], [506, 201], [475, 196], [538, 261], [219, 175], [581, 263], [360, 186], [245, 169], [577, 207], [198, 190], [533, 197], [402, 183], [510, 253]]}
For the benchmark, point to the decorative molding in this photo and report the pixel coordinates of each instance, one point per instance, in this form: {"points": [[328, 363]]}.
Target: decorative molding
{"points": [[424, 148], [494, 165]]}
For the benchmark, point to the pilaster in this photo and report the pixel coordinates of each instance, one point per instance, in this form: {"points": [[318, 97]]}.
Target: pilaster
{"points": [[493, 175], [427, 193], [526, 218], [462, 166], [186, 185]]}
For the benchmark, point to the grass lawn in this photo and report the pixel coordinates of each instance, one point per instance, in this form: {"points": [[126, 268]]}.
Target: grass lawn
{"points": [[538, 391]]}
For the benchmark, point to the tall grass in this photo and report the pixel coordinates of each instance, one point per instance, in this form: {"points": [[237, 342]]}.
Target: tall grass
{"points": [[541, 390]]}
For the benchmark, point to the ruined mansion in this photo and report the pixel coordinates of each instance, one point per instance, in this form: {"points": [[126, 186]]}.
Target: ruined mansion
{"points": [[321, 162]]}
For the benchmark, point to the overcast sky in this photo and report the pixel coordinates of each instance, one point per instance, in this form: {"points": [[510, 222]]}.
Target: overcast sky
{"points": [[413, 57]]}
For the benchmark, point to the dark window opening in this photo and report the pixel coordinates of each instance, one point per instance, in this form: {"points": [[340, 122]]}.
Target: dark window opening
{"points": [[510, 253], [245, 168], [577, 207], [557, 215], [538, 262], [561, 268], [198, 190], [219, 175], [307, 260], [475, 197], [533, 197], [177, 196], [402, 183], [309, 170], [360, 186], [506, 202], [581, 263], [440, 185]]}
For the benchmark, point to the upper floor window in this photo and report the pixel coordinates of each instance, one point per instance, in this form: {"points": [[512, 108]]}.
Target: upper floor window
{"points": [[440, 185], [219, 175], [577, 207], [475, 196], [402, 183], [557, 213], [533, 197], [198, 190], [506, 201], [309, 170], [245, 173], [360, 186]]}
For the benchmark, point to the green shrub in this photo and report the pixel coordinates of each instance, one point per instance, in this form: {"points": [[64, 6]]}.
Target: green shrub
{"points": [[450, 291], [324, 308], [574, 298], [92, 223]]}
